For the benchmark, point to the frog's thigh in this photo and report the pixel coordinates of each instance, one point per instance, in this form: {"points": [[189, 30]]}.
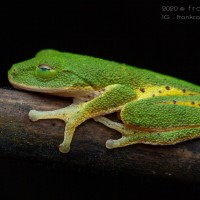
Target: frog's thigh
{"points": [[163, 112], [164, 138]]}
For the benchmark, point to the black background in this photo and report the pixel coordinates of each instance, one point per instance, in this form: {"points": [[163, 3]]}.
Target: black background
{"points": [[132, 33]]}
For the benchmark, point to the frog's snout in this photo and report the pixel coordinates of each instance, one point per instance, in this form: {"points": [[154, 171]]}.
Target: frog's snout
{"points": [[13, 71]]}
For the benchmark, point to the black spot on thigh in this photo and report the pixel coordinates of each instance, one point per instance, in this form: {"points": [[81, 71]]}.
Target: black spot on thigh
{"points": [[160, 91], [174, 102], [192, 102], [167, 88], [184, 90], [142, 90]]}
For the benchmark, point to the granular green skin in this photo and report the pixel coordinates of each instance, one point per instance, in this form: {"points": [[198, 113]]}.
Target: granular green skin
{"points": [[156, 113], [111, 99], [164, 138], [154, 108], [75, 70]]}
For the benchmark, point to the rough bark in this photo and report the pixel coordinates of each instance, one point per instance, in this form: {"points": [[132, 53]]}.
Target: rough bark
{"points": [[22, 139]]}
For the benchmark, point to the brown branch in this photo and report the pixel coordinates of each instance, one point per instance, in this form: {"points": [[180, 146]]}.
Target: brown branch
{"points": [[21, 138]]}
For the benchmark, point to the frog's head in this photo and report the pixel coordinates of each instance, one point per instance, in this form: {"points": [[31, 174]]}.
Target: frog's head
{"points": [[49, 71]]}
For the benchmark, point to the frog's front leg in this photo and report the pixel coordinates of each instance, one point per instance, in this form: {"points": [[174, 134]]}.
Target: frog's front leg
{"points": [[109, 101]]}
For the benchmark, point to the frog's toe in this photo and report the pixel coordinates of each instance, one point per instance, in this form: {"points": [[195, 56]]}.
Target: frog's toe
{"points": [[33, 115], [64, 148], [110, 144]]}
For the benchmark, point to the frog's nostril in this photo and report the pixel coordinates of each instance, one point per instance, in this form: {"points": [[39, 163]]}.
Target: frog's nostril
{"points": [[14, 71]]}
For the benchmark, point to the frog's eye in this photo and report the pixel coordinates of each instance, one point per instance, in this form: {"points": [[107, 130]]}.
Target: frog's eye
{"points": [[45, 71], [45, 67]]}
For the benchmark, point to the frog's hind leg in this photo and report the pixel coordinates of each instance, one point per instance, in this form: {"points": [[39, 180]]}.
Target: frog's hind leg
{"points": [[114, 125], [161, 121], [163, 138], [129, 136]]}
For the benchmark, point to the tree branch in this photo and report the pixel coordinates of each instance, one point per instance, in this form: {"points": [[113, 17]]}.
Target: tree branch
{"points": [[21, 138]]}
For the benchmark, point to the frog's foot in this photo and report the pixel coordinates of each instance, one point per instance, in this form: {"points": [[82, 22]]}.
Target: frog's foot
{"points": [[114, 125], [163, 138], [63, 114]]}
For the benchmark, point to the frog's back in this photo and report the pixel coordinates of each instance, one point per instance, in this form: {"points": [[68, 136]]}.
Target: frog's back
{"points": [[100, 72]]}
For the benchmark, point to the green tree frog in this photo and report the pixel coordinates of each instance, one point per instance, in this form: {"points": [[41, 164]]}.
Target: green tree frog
{"points": [[154, 109]]}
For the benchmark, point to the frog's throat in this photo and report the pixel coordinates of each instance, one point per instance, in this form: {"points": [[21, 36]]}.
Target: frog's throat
{"points": [[86, 92]]}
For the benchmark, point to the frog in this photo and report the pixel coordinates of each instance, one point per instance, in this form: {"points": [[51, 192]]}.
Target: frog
{"points": [[153, 108]]}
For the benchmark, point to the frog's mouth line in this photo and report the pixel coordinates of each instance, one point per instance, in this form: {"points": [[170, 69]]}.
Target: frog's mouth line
{"points": [[79, 92]]}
